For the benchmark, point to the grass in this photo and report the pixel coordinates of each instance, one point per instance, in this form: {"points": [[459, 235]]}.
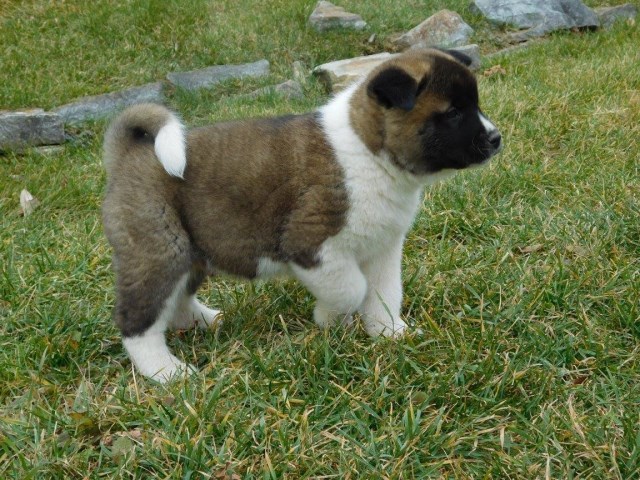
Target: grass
{"points": [[525, 276]]}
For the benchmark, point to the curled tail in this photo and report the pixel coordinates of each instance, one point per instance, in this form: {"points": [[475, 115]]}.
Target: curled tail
{"points": [[144, 123]]}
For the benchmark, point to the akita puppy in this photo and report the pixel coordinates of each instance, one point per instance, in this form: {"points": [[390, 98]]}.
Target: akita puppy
{"points": [[326, 197]]}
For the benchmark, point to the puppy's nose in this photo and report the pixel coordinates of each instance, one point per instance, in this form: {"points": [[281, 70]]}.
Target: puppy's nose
{"points": [[495, 139]]}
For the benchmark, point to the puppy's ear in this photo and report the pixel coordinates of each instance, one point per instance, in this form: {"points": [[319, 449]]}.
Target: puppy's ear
{"points": [[394, 88], [459, 56]]}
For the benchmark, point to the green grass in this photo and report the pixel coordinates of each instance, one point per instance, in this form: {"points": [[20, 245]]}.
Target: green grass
{"points": [[525, 276]]}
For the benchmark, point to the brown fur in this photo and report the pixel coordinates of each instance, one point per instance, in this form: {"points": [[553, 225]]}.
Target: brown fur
{"points": [[255, 189], [273, 190]]}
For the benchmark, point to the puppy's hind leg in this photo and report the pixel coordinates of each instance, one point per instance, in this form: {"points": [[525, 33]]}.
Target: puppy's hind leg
{"points": [[191, 312], [143, 321]]}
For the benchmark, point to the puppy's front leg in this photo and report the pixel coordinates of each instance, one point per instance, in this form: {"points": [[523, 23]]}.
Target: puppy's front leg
{"points": [[338, 285], [381, 307]]}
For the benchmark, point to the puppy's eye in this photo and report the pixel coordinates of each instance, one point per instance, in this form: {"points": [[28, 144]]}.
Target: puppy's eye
{"points": [[452, 114]]}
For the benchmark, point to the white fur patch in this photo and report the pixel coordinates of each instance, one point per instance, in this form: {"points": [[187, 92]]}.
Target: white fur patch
{"points": [[170, 147], [486, 123]]}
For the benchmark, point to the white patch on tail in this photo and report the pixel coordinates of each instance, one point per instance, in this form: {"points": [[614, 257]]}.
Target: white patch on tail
{"points": [[170, 147]]}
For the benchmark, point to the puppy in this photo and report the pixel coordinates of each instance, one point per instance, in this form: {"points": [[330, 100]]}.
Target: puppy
{"points": [[325, 197]]}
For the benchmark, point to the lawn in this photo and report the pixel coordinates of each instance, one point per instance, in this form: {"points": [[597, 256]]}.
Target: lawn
{"points": [[523, 276]]}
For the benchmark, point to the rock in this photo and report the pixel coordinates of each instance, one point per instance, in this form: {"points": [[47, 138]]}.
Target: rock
{"points": [[101, 106], [541, 16], [326, 16], [289, 89], [608, 16], [444, 29], [337, 75], [208, 77], [30, 128]]}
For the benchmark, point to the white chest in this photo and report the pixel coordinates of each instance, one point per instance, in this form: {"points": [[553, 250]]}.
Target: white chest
{"points": [[379, 214]]}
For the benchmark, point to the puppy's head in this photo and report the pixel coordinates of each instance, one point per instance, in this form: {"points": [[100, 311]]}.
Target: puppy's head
{"points": [[422, 109]]}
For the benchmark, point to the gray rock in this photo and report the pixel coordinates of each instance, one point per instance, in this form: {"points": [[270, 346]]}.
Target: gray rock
{"points": [[208, 77], [30, 128], [339, 74], [608, 16], [541, 16], [443, 29], [326, 16], [289, 89], [101, 106]]}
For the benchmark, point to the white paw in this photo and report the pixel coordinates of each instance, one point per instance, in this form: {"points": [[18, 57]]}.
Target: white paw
{"points": [[325, 318], [152, 358], [194, 314], [173, 369], [387, 328], [205, 317]]}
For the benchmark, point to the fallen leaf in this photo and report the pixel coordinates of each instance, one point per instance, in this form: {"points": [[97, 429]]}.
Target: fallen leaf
{"points": [[495, 70], [536, 247], [28, 202]]}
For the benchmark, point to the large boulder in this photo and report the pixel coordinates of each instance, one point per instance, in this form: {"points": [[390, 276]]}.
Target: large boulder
{"points": [[541, 16]]}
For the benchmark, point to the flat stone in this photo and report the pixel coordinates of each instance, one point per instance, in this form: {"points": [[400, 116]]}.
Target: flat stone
{"points": [[327, 16], [101, 106], [289, 89], [608, 16], [339, 74], [541, 16], [208, 77], [443, 29], [27, 128]]}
